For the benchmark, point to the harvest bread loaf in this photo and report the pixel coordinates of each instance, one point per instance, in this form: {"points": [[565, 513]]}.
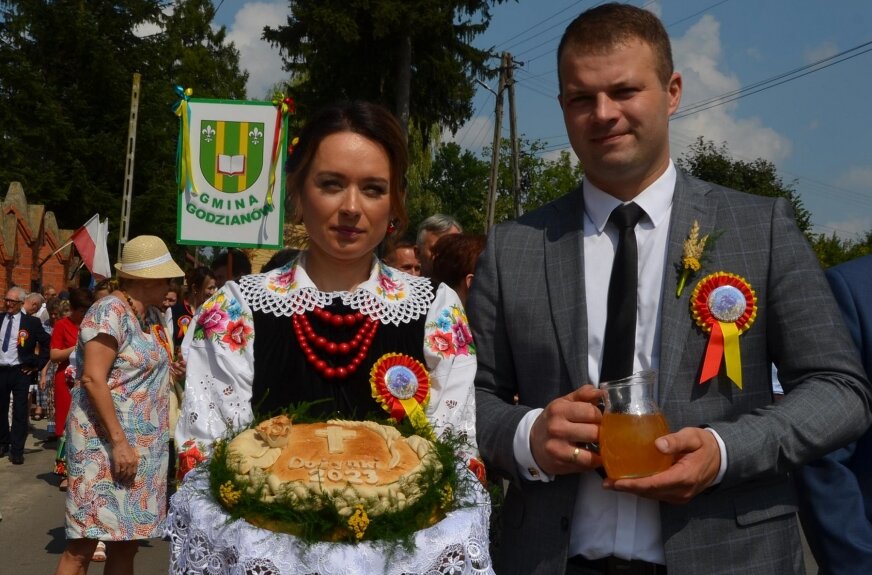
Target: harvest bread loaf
{"points": [[349, 464]]}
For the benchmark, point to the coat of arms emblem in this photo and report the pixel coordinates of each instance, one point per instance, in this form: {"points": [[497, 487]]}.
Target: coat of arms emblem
{"points": [[231, 154]]}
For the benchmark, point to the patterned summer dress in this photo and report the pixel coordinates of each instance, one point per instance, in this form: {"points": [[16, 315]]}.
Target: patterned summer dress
{"points": [[97, 507]]}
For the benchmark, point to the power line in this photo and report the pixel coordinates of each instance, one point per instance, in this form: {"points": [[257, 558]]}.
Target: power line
{"points": [[667, 26], [774, 81], [518, 41]]}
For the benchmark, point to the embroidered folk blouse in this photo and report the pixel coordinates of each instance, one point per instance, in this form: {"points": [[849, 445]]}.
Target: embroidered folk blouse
{"points": [[242, 353]]}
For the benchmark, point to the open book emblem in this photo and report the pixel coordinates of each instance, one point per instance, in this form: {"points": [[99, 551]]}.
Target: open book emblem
{"points": [[231, 154]]}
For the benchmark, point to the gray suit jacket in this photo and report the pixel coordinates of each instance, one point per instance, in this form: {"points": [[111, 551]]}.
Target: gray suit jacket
{"points": [[528, 314]]}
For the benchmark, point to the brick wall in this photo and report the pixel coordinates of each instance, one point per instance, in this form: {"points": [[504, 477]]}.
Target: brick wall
{"points": [[29, 233]]}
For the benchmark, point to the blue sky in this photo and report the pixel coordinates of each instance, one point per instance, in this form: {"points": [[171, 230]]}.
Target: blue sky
{"points": [[816, 128]]}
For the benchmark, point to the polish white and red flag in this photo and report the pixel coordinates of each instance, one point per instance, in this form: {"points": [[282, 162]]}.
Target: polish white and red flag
{"points": [[90, 242]]}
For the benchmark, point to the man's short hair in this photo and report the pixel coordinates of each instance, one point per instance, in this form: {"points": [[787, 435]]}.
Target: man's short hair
{"points": [[437, 224], [393, 246], [603, 27], [18, 293], [35, 296]]}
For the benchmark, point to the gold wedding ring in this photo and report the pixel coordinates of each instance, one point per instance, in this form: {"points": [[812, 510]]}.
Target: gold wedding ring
{"points": [[575, 454]]}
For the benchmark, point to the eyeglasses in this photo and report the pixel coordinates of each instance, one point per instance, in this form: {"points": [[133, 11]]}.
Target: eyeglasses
{"points": [[14, 301]]}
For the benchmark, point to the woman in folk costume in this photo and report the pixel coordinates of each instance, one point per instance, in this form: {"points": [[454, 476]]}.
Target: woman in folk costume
{"points": [[329, 324]]}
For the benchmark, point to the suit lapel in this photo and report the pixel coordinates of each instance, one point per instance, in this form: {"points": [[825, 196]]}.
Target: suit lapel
{"points": [[690, 202], [564, 271]]}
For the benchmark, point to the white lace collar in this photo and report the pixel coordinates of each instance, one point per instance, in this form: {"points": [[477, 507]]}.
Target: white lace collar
{"points": [[388, 296]]}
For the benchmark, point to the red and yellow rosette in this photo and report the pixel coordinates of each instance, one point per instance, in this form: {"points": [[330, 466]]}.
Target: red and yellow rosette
{"points": [[160, 336], [725, 306], [401, 385]]}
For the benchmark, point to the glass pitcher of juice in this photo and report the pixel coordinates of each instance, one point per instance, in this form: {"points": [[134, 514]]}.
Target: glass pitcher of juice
{"points": [[631, 422]]}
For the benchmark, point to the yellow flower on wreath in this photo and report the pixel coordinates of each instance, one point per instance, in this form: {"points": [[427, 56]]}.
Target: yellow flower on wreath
{"points": [[229, 494], [358, 522], [447, 498]]}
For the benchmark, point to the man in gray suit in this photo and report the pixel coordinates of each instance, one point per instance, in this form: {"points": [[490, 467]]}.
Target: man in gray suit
{"points": [[538, 308]]}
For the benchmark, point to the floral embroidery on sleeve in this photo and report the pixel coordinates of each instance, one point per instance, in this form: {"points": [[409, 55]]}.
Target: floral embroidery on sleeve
{"points": [[222, 320], [450, 334]]}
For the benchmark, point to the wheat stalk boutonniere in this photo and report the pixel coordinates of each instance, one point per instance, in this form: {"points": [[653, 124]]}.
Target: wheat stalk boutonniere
{"points": [[691, 259]]}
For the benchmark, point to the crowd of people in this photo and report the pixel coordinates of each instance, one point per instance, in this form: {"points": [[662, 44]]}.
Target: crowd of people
{"points": [[600, 284]]}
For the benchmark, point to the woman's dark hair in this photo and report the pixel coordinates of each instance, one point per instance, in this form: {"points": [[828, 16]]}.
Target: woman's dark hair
{"points": [[241, 263], [455, 256], [197, 276], [80, 299], [279, 259], [371, 121]]}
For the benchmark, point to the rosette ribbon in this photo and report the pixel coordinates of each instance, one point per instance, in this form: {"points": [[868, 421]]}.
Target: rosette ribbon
{"points": [[284, 106], [724, 306], [401, 385], [160, 336], [184, 176]]}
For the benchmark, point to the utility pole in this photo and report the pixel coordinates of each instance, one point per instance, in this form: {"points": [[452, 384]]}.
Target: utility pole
{"points": [[128, 164], [506, 81], [505, 62], [513, 134]]}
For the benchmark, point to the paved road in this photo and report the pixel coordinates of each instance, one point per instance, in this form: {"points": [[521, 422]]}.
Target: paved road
{"points": [[32, 529]]}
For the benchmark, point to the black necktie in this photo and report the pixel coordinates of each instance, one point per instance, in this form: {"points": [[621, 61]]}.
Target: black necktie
{"points": [[8, 331], [619, 343]]}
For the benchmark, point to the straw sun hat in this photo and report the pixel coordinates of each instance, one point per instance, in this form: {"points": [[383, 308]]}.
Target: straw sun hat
{"points": [[147, 257]]}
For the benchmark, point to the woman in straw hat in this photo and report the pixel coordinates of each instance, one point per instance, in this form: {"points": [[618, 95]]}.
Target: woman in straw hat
{"points": [[117, 430], [319, 326]]}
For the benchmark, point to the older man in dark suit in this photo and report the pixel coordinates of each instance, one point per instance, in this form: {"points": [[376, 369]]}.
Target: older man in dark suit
{"points": [[836, 490], [24, 348], [606, 281]]}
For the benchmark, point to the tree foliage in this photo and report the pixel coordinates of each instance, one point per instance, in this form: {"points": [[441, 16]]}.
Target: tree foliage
{"points": [[714, 164], [66, 71], [832, 250], [336, 49], [459, 181]]}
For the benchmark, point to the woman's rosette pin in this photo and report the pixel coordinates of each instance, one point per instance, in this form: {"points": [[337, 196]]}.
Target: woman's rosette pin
{"points": [[401, 385], [725, 306]]}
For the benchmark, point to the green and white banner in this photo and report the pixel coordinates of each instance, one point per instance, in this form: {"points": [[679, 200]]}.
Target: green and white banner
{"points": [[230, 172]]}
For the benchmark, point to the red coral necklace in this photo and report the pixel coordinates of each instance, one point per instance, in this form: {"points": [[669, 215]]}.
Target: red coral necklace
{"points": [[308, 340]]}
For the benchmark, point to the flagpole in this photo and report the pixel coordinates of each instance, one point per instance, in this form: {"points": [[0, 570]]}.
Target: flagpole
{"points": [[48, 257]]}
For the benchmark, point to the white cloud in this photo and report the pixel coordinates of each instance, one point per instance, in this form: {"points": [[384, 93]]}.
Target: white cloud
{"points": [[474, 135], [851, 189], [554, 155], [698, 56], [858, 178], [821, 51], [851, 229], [655, 7], [754, 53], [146, 29], [262, 61]]}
